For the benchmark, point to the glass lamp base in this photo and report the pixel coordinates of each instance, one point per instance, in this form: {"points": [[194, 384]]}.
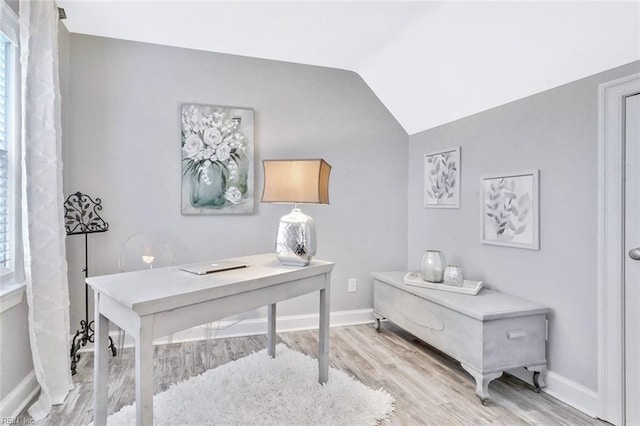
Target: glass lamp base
{"points": [[296, 239]]}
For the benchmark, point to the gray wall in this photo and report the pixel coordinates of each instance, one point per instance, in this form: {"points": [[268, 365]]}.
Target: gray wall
{"points": [[556, 132], [15, 349], [123, 145]]}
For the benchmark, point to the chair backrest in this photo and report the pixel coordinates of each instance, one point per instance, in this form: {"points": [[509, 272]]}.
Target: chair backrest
{"points": [[144, 251]]}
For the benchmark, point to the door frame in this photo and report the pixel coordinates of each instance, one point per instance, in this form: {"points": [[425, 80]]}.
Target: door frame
{"points": [[611, 111]]}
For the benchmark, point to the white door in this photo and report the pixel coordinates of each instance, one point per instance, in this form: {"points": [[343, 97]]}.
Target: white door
{"points": [[632, 260]]}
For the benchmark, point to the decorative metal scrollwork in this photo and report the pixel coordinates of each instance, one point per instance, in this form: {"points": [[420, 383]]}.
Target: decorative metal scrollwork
{"points": [[81, 215]]}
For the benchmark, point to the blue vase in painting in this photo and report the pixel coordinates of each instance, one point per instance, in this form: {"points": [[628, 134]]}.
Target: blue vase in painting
{"points": [[208, 186]]}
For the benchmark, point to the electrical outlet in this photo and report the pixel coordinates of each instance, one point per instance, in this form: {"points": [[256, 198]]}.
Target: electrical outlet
{"points": [[353, 285]]}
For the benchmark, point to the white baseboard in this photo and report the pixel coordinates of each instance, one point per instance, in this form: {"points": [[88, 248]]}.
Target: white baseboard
{"points": [[565, 390], [572, 393], [254, 326], [13, 404]]}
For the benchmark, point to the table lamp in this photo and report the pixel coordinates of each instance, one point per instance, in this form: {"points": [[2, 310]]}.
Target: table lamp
{"points": [[296, 182]]}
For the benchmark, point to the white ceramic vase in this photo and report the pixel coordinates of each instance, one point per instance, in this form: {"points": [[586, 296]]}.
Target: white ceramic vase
{"points": [[453, 276], [432, 266]]}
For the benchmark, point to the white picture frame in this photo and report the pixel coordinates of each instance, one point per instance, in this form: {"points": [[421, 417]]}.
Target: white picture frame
{"points": [[510, 209], [442, 179], [217, 159]]}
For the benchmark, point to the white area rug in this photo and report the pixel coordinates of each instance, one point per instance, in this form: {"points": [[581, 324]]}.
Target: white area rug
{"points": [[259, 390]]}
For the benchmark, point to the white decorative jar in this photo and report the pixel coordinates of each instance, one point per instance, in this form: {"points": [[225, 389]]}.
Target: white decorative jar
{"points": [[432, 266], [453, 276]]}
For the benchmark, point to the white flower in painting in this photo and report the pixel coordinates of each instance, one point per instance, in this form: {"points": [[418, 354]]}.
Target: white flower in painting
{"points": [[236, 140], [233, 195], [242, 139], [223, 151], [208, 120], [226, 126], [204, 169], [232, 167], [212, 136], [192, 145]]}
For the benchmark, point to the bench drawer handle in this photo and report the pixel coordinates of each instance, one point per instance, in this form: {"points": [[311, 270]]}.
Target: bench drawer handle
{"points": [[516, 334]]}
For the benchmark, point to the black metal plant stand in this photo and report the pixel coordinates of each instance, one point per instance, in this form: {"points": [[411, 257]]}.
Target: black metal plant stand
{"points": [[81, 217]]}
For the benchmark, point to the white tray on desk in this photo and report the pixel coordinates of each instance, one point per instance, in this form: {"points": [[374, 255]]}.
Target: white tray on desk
{"points": [[468, 286]]}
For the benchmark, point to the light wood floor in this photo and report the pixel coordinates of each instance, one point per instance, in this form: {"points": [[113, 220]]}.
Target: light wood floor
{"points": [[429, 387]]}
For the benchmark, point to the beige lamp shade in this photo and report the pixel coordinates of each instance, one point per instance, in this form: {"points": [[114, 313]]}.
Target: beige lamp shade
{"points": [[296, 181]]}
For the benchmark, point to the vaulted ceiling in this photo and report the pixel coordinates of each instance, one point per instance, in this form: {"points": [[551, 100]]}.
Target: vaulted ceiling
{"points": [[428, 62]]}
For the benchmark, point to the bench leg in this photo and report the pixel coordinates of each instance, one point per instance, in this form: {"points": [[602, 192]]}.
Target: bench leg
{"points": [[378, 319], [538, 381], [482, 382]]}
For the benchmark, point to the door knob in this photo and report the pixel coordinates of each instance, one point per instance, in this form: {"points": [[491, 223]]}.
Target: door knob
{"points": [[635, 253]]}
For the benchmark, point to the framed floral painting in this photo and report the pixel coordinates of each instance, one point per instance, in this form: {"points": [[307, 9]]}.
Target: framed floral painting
{"points": [[442, 179], [509, 207], [217, 159]]}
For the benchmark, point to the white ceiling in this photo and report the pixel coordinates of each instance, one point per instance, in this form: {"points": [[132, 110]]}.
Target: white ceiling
{"points": [[429, 62]]}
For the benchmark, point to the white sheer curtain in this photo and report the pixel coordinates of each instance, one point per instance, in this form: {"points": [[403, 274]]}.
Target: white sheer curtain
{"points": [[42, 200]]}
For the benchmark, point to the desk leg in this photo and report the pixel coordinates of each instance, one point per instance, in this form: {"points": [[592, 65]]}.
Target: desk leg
{"points": [[144, 372], [271, 330], [100, 366], [323, 359]]}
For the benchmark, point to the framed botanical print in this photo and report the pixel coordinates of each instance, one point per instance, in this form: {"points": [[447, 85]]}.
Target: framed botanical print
{"points": [[509, 210], [442, 179]]}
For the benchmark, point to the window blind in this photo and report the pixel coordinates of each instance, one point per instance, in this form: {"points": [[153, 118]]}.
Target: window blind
{"points": [[4, 156]]}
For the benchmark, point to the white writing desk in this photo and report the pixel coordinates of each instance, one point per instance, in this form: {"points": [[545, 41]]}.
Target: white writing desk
{"points": [[157, 302]]}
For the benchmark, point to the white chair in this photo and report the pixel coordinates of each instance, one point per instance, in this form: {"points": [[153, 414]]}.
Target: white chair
{"points": [[139, 252], [211, 330], [144, 251]]}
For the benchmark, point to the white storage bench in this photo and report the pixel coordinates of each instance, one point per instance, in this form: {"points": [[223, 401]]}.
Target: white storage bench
{"points": [[488, 333]]}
